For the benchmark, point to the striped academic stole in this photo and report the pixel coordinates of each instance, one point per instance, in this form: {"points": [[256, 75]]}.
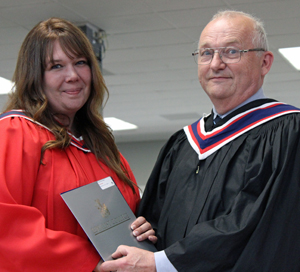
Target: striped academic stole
{"points": [[206, 143], [20, 113]]}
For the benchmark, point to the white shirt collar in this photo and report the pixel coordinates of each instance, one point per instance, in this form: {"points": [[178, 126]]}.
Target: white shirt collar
{"points": [[258, 95]]}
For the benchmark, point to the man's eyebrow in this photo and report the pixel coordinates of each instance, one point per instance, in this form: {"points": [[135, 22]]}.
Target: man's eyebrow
{"points": [[226, 44]]}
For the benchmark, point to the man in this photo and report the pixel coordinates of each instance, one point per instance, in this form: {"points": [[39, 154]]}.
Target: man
{"points": [[225, 196]]}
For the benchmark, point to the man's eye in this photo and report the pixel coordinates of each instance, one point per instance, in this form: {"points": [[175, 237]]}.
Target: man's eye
{"points": [[231, 51], [206, 53]]}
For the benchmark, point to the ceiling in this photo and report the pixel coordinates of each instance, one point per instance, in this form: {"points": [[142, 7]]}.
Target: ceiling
{"points": [[147, 65]]}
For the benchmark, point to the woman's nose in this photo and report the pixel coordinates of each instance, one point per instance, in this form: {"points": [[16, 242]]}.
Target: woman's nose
{"points": [[71, 74]]}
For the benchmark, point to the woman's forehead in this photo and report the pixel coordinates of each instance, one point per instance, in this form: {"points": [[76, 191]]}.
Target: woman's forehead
{"points": [[61, 45]]}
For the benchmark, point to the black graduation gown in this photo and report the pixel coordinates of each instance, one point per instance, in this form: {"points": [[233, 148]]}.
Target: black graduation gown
{"points": [[236, 210]]}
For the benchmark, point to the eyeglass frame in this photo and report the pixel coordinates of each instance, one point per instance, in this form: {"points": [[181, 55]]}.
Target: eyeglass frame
{"points": [[196, 52]]}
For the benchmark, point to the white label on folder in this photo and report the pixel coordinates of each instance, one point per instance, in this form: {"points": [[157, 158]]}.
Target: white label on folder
{"points": [[105, 183]]}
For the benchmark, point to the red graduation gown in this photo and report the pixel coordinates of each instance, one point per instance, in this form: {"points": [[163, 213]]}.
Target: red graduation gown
{"points": [[38, 232]]}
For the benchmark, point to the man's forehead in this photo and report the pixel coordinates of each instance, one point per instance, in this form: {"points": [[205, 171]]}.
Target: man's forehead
{"points": [[224, 32]]}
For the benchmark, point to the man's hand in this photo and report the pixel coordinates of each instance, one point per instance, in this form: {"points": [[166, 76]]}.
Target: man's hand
{"points": [[142, 230], [133, 260]]}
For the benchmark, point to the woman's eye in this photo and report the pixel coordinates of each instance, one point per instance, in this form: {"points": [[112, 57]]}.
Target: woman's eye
{"points": [[81, 62], [56, 66]]}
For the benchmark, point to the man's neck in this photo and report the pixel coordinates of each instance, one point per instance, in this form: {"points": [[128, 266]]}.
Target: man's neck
{"points": [[258, 95]]}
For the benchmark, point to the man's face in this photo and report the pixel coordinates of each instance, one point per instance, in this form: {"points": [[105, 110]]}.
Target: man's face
{"points": [[229, 85]]}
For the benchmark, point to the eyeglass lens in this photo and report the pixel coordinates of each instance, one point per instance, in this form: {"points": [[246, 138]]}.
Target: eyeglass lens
{"points": [[227, 54]]}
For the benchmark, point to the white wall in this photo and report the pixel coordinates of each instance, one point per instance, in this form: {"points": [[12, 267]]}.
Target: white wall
{"points": [[141, 157], [3, 100]]}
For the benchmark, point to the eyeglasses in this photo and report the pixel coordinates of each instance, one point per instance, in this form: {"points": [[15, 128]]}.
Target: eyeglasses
{"points": [[226, 54]]}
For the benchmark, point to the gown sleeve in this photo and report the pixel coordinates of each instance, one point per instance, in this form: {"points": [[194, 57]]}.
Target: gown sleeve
{"points": [[154, 195], [250, 219], [25, 243]]}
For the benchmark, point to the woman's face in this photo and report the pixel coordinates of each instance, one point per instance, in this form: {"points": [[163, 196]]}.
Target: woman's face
{"points": [[67, 82]]}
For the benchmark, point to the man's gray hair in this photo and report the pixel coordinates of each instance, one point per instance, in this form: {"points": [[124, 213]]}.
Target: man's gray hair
{"points": [[259, 39]]}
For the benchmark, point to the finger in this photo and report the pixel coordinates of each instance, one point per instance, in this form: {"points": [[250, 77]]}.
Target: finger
{"points": [[138, 222], [145, 235], [109, 266], [142, 229], [153, 239], [97, 268], [120, 252]]}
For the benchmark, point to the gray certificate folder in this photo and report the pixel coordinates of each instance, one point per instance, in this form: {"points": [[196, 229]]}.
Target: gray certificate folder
{"points": [[105, 216]]}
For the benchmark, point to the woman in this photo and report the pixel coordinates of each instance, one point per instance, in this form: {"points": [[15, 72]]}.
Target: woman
{"points": [[53, 139]]}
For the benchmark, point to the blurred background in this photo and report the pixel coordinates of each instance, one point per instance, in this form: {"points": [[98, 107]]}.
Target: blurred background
{"points": [[145, 51]]}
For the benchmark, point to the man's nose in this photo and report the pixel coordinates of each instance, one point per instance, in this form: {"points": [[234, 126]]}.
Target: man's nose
{"points": [[217, 61]]}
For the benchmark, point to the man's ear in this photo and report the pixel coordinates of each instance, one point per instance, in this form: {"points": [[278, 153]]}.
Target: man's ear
{"points": [[267, 61]]}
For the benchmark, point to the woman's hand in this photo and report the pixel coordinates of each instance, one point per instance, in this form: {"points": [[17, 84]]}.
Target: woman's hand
{"points": [[97, 268], [142, 230]]}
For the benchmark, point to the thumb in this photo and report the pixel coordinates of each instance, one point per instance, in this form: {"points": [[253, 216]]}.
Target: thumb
{"points": [[120, 252]]}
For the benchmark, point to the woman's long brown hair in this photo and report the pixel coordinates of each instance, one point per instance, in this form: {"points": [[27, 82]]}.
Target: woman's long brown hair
{"points": [[29, 95]]}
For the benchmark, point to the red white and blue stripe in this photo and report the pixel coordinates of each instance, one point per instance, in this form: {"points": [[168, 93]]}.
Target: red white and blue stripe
{"points": [[206, 143]]}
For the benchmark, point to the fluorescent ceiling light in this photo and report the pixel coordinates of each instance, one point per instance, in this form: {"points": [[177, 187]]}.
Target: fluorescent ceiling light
{"points": [[292, 54], [5, 85], [117, 124]]}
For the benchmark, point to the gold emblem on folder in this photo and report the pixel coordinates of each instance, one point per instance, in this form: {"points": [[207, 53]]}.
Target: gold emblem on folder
{"points": [[102, 208]]}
